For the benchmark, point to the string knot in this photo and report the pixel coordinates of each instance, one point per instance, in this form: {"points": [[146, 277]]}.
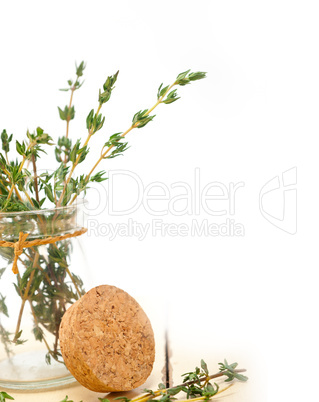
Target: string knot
{"points": [[22, 243], [18, 250]]}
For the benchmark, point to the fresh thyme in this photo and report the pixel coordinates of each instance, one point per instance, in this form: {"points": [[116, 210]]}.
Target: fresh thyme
{"points": [[196, 385], [46, 283], [66, 399], [4, 396], [21, 189]]}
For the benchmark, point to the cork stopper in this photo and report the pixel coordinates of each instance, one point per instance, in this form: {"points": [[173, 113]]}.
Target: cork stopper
{"points": [[107, 341]]}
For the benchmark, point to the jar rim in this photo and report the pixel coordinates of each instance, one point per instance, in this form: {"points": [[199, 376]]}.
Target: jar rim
{"points": [[79, 203]]}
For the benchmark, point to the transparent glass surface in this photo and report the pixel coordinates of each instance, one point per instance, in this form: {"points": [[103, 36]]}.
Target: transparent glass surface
{"points": [[32, 303]]}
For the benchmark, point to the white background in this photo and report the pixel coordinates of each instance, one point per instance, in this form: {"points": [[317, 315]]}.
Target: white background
{"points": [[253, 118]]}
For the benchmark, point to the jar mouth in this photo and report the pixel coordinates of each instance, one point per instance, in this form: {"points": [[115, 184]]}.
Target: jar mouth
{"points": [[49, 222], [79, 203]]}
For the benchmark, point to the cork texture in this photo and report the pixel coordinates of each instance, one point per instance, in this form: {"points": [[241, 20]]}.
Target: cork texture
{"points": [[107, 341]]}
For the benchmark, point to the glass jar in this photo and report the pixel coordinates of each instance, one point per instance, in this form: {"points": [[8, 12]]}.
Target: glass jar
{"points": [[50, 278]]}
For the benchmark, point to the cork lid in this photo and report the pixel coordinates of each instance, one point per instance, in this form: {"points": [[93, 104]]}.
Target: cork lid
{"points": [[107, 341]]}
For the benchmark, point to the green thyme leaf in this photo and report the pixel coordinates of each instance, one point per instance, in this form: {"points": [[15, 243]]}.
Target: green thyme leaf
{"points": [[197, 76], [80, 69], [186, 77], [38, 333], [98, 177], [89, 119], [108, 87], [204, 366], [67, 114], [4, 396], [161, 91], [66, 399], [141, 118], [6, 139], [171, 97], [2, 272], [3, 306]]}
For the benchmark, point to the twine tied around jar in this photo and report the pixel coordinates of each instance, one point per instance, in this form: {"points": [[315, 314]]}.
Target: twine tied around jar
{"points": [[22, 243]]}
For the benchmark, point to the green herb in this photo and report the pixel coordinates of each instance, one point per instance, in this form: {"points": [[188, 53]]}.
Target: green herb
{"points": [[21, 189], [4, 396], [68, 114], [196, 385], [66, 399], [46, 283]]}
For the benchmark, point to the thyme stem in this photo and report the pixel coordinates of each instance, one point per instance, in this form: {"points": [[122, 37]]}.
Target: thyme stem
{"points": [[25, 297], [76, 163], [35, 178], [68, 119], [203, 398], [104, 154], [70, 275], [20, 169], [192, 386], [37, 266], [37, 323], [211, 377], [146, 397]]}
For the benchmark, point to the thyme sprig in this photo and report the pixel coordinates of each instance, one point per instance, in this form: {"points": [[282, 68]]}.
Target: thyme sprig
{"points": [[196, 385], [22, 190], [94, 123], [47, 285], [68, 113], [115, 146]]}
